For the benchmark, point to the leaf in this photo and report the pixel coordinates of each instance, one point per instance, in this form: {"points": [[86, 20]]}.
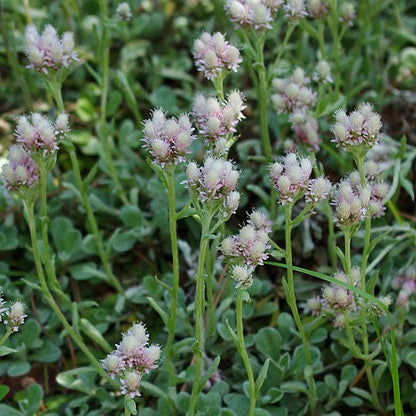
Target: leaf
{"points": [[211, 369], [3, 391], [34, 396], [268, 341], [165, 97], [262, 376], [48, 353], [131, 216], [81, 379], [407, 186], [6, 351], [124, 241], [84, 109], [9, 411], [159, 310], [18, 368], [130, 405], [411, 358]]}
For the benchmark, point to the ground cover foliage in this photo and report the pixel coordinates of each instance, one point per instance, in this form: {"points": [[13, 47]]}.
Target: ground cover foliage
{"points": [[207, 207]]}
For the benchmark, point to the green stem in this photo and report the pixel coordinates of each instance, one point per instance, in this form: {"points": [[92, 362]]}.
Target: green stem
{"points": [[282, 48], [104, 49], [262, 91], [244, 356], [209, 290], [347, 249], [112, 279], [30, 216], [359, 159], [5, 336], [332, 242], [44, 219], [14, 63], [56, 90], [175, 260], [291, 297], [199, 315]]}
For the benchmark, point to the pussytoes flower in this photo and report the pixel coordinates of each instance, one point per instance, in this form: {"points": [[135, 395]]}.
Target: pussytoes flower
{"points": [[15, 316], [20, 171], [218, 120], [295, 9], [132, 358], [168, 139], [123, 11], [48, 51], [213, 54], [360, 128]]}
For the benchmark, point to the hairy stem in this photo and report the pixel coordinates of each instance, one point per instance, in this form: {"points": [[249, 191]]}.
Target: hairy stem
{"points": [[244, 356]]}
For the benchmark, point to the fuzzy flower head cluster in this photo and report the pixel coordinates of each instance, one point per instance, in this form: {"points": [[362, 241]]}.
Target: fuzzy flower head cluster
{"points": [[291, 179], [405, 282], [168, 139], [305, 128], [359, 129], [217, 120], [213, 54], [12, 316], [248, 249], [353, 201], [38, 135], [322, 73], [317, 9], [49, 51], [21, 171], [123, 11], [132, 358], [295, 10], [347, 13], [257, 14], [215, 180], [335, 299], [293, 93]]}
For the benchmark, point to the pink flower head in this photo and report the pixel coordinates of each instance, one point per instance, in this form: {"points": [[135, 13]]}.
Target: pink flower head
{"points": [[213, 54], [359, 128], [38, 134], [217, 120], [305, 128], [291, 177], [295, 9], [351, 202], [293, 93], [21, 171], [48, 51], [318, 9], [168, 139], [256, 14], [15, 316]]}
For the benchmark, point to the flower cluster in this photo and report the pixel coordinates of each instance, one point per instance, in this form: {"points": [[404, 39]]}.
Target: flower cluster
{"points": [[360, 128], [347, 13], [217, 121], [132, 358], [295, 9], [13, 316], [257, 14], [291, 179], [20, 171], [123, 11], [48, 51], [317, 9], [213, 54], [247, 249], [334, 299], [353, 202], [323, 73], [168, 139], [406, 282], [38, 134], [305, 128], [293, 93], [214, 181]]}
